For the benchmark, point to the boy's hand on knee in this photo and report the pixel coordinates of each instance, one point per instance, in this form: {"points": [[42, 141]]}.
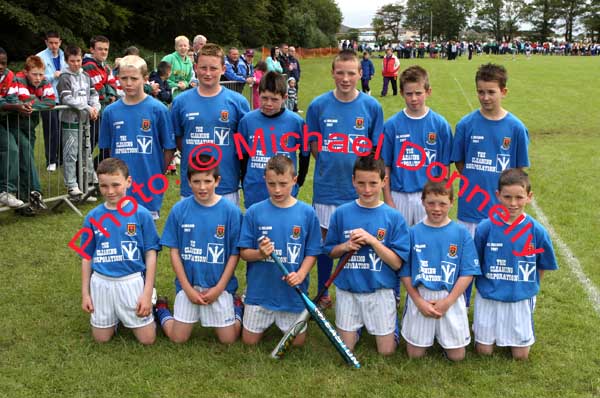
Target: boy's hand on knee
{"points": [[87, 305], [144, 306]]}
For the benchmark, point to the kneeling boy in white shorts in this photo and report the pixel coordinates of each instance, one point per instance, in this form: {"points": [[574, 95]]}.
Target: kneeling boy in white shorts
{"points": [[512, 265], [118, 277], [442, 263], [378, 234], [203, 231]]}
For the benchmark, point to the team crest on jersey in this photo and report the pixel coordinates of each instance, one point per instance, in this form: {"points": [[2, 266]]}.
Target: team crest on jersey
{"points": [[452, 250], [380, 234], [296, 229], [131, 229], [506, 143], [146, 124], [224, 116], [431, 137], [360, 123], [220, 231]]}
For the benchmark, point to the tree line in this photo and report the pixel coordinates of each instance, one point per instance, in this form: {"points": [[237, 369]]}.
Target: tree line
{"points": [[152, 25], [500, 19]]}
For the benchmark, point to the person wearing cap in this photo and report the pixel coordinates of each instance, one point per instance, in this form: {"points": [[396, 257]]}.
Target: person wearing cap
{"points": [[247, 58]]}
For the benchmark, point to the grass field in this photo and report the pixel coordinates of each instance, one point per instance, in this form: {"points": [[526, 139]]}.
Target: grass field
{"points": [[45, 343]]}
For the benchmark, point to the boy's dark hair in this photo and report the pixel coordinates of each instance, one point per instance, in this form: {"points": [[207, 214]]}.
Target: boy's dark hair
{"points": [[72, 51], [52, 33], [98, 38], [261, 65], [163, 68], [205, 160], [281, 164], [113, 166], [438, 188], [346, 55], [213, 50], [3, 51], [131, 50], [514, 177], [273, 82], [369, 163], [414, 74], [492, 73]]}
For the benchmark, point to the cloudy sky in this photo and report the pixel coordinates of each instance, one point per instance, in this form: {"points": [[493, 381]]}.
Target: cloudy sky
{"points": [[359, 13]]}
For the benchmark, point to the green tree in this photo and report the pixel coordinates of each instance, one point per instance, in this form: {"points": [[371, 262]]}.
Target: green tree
{"points": [[419, 16], [542, 14], [489, 13], [378, 27], [591, 21], [392, 15], [570, 11]]}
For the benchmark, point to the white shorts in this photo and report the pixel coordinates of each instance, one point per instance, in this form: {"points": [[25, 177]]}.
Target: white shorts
{"points": [[451, 331], [504, 324], [376, 311], [324, 213], [115, 299], [216, 315], [257, 319], [410, 205], [233, 197], [471, 226]]}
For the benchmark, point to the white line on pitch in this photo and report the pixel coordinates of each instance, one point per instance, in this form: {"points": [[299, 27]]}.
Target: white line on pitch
{"points": [[572, 261], [463, 93]]}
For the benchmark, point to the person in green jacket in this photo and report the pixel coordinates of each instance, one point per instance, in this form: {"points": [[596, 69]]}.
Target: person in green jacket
{"points": [[181, 66]]}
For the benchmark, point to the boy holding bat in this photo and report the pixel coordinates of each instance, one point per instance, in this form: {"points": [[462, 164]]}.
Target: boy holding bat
{"points": [[378, 233], [291, 228]]}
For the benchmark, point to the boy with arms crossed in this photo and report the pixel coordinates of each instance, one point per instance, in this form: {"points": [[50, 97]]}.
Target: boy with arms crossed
{"points": [[138, 130], [510, 270], [441, 265], [272, 120], [118, 278], [203, 231], [378, 234], [291, 229], [346, 111], [210, 113]]}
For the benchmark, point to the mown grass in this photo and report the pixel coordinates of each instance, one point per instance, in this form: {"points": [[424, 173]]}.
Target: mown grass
{"points": [[46, 348]]}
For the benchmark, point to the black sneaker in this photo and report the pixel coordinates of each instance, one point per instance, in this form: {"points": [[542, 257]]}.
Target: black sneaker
{"points": [[26, 211], [36, 200]]}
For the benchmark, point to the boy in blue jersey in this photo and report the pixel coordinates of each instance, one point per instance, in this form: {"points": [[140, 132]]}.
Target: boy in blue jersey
{"points": [[346, 111], [202, 232], [291, 228], [416, 124], [378, 234], [512, 265], [271, 123], [208, 116], [138, 130], [487, 141], [118, 273], [441, 265]]}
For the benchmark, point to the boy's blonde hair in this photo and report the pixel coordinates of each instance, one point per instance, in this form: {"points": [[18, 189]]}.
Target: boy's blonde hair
{"points": [[134, 61], [180, 39], [414, 74], [213, 50]]}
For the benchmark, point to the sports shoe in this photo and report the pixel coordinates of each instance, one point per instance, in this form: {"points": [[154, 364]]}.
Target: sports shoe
{"points": [[75, 191], [9, 200], [51, 167], [162, 313], [26, 211], [36, 200], [325, 302]]}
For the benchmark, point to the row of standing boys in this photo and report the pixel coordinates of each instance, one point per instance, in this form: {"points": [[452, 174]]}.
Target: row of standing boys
{"points": [[206, 234]]}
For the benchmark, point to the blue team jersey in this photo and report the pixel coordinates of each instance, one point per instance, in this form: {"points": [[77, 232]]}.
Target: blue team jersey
{"points": [[138, 134], [487, 148], [326, 115], [365, 272], [431, 132], [506, 276], [273, 128], [123, 252], [199, 120], [296, 234], [206, 237], [439, 256]]}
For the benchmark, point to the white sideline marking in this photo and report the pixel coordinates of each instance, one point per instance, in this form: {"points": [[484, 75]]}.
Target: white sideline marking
{"points": [[572, 261], [463, 93]]}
